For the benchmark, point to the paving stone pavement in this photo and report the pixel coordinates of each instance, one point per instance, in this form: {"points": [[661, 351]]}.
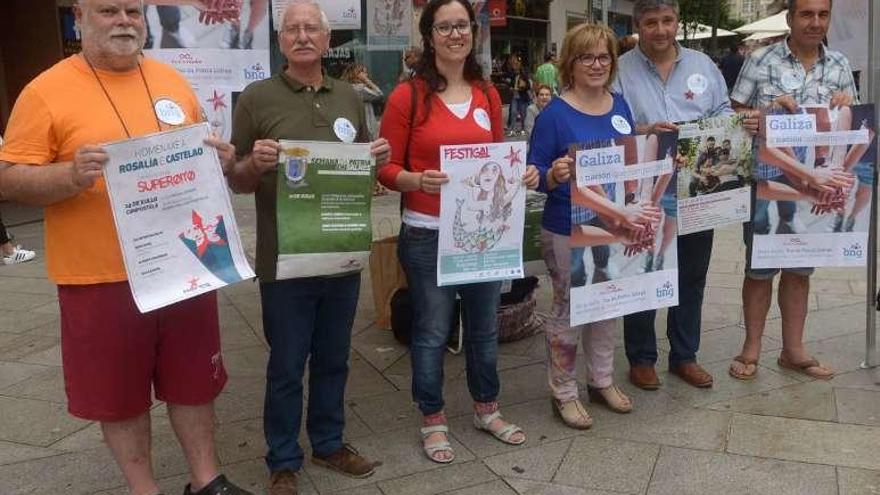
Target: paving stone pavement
{"points": [[779, 434]]}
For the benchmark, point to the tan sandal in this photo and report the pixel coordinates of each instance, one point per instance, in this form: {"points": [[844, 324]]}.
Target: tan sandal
{"points": [[804, 367], [573, 414], [744, 375], [613, 397], [432, 449]]}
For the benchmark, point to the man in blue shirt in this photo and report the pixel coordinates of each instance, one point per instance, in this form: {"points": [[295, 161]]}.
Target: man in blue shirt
{"points": [[665, 83]]}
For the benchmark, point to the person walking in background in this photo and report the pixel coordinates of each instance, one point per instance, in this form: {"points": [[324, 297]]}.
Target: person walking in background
{"points": [[517, 78], [453, 105], [586, 111], [731, 64], [543, 95], [547, 74], [12, 253], [356, 75]]}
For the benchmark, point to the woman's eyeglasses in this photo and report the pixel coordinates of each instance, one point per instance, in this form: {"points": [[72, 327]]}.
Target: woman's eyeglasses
{"points": [[588, 59], [445, 29]]}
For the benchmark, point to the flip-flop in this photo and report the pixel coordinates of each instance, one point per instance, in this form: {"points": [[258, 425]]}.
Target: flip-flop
{"points": [[746, 362], [803, 367]]}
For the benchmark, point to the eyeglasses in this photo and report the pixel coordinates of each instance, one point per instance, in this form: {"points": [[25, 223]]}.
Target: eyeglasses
{"points": [[463, 28], [588, 59], [309, 29]]}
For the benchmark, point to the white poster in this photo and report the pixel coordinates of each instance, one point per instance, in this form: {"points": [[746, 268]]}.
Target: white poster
{"points": [[389, 23], [173, 216], [849, 32], [227, 47], [814, 179], [715, 161], [216, 102], [482, 213], [342, 14], [623, 241]]}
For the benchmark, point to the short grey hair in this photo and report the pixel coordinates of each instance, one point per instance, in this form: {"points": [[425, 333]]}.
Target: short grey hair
{"points": [[791, 5], [325, 22], [644, 6]]}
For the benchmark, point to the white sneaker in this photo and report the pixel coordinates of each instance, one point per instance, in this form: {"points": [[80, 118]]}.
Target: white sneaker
{"points": [[19, 256]]}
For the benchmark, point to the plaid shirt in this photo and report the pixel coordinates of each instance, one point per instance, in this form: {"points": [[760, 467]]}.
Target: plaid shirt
{"points": [[774, 71]]}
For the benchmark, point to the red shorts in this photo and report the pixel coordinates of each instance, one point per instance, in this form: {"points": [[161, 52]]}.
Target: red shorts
{"points": [[113, 354]]}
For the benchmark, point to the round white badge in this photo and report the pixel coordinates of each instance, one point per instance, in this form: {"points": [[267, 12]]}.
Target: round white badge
{"points": [[481, 117], [621, 125], [169, 112], [344, 130], [791, 81], [698, 83]]}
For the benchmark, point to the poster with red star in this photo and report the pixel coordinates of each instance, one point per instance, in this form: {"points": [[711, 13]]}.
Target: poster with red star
{"points": [[217, 107], [482, 213]]}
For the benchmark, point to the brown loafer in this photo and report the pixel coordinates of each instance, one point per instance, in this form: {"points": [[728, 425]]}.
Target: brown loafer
{"points": [[644, 376], [347, 461], [693, 374], [283, 482]]}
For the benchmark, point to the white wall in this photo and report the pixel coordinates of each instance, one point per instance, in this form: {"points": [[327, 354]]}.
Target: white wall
{"points": [[559, 10]]}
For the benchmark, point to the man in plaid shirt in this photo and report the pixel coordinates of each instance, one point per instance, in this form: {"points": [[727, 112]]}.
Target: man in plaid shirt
{"points": [[781, 77]]}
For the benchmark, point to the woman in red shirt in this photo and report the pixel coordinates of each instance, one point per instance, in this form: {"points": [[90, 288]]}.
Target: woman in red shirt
{"points": [[453, 105]]}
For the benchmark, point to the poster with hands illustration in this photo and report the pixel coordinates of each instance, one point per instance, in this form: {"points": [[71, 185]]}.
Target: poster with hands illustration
{"points": [[482, 213]]}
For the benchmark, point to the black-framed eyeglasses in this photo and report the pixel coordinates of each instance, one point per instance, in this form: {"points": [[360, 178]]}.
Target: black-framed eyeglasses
{"points": [[445, 29], [588, 59]]}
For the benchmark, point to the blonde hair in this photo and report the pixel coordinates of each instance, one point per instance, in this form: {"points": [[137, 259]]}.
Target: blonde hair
{"points": [[579, 40]]}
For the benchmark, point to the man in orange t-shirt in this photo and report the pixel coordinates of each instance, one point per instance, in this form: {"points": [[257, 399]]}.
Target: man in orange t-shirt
{"points": [[113, 355]]}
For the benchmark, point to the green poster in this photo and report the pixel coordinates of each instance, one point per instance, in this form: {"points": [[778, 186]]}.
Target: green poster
{"points": [[323, 208]]}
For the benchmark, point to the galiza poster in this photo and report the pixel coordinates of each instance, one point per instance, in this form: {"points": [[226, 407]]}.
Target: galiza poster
{"points": [[815, 178], [482, 211], [173, 217], [715, 162], [323, 208], [623, 227]]}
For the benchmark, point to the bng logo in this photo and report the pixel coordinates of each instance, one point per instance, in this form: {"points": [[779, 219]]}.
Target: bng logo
{"points": [[665, 291], [854, 251], [255, 72], [349, 13]]}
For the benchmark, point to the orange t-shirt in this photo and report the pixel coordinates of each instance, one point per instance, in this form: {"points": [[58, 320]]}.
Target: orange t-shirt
{"points": [[65, 108]]}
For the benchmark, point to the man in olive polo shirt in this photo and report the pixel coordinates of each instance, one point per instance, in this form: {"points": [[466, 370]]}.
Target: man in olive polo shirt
{"points": [[303, 318]]}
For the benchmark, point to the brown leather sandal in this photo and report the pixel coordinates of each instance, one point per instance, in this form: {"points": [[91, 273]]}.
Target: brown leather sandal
{"points": [[744, 376], [804, 367]]}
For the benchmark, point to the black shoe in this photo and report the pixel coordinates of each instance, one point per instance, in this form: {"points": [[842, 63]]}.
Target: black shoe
{"points": [[218, 486]]}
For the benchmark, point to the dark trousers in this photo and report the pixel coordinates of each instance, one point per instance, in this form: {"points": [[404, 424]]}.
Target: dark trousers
{"points": [[4, 236], [683, 321], [306, 319]]}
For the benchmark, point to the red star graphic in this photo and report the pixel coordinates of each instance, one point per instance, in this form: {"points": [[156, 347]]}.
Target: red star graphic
{"points": [[217, 100], [689, 95], [193, 283], [513, 156]]}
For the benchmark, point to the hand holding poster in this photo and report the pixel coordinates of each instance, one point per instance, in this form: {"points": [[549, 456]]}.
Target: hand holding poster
{"points": [[173, 216], [818, 166], [623, 209], [323, 208], [482, 211], [715, 166]]}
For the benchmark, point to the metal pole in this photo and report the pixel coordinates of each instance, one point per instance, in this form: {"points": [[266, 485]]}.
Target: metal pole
{"points": [[873, 80]]}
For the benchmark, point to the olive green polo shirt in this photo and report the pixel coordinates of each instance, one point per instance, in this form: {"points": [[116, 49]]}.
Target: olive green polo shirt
{"points": [[282, 108]]}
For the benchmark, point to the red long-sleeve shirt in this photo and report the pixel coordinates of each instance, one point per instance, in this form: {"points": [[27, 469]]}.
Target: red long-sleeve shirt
{"points": [[482, 124]]}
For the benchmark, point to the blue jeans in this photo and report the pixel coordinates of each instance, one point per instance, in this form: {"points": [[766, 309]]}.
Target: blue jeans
{"points": [[306, 319], [517, 112], [432, 319], [760, 225], [683, 321]]}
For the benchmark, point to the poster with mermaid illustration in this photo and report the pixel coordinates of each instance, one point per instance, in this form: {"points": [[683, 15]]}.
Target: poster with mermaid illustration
{"points": [[482, 212], [624, 256], [173, 217], [815, 178]]}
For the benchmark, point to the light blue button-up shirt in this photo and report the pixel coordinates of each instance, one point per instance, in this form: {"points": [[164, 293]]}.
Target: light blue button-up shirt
{"points": [[695, 88]]}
